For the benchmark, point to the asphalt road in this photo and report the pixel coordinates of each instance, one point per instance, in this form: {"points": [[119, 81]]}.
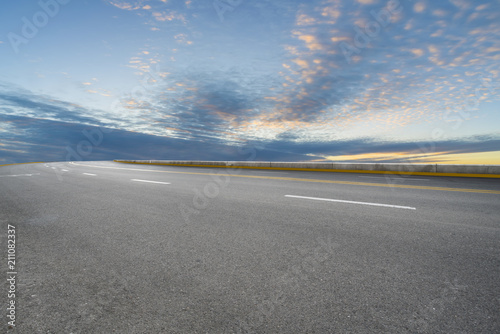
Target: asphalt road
{"points": [[103, 247]]}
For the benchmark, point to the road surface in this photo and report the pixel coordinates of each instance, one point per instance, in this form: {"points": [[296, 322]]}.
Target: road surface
{"points": [[103, 247]]}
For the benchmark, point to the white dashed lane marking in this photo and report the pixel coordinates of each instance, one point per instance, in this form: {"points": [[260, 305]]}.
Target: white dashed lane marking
{"points": [[352, 202], [147, 181]]}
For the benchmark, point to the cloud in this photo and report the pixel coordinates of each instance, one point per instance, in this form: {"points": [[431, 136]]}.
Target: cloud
{"points": [[24, 103], [160, 11], [419, 7], [321, 85], [59, 141], [304, 20], [133, 5], [205, 103], [365, 149], [317, 89], [311, 41], [417, 52], [182, 39], [304, 89], [168, 16]]}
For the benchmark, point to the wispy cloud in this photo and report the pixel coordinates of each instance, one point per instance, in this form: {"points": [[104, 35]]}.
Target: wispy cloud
{"points": [[128, 5], [20, 102]]}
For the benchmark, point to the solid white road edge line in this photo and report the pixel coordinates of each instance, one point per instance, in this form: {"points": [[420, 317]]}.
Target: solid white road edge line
{"points": [[89, 174], [353, 202], [394, 178], [137, 180], [274, 172]]}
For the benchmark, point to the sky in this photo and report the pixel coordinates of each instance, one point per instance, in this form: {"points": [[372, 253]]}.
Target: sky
{"points": [[414, 81]]}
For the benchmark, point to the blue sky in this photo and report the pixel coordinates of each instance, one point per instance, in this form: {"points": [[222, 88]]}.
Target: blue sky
{"points": [[330, 80]]}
